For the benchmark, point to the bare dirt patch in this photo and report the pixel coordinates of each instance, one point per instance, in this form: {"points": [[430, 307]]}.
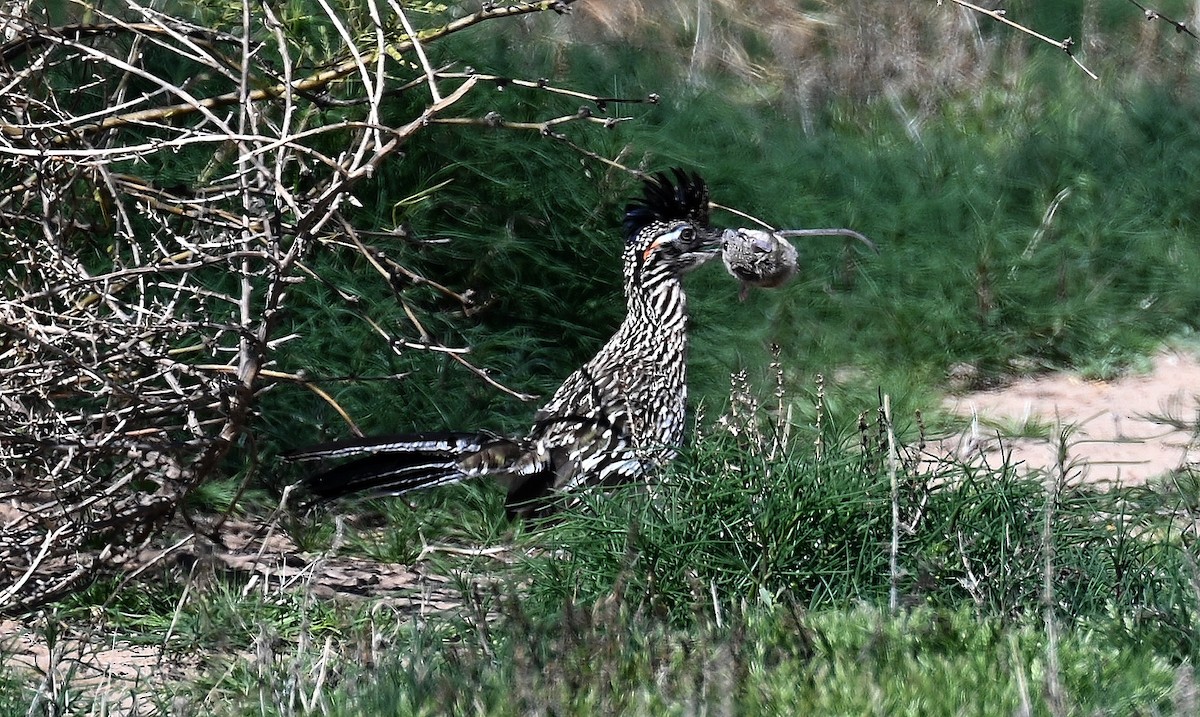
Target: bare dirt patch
{"points": [[1125, 431], [117, 677], [85, 663]]}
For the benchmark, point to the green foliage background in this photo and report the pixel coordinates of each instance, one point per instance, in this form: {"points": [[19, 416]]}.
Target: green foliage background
{"points": [[954, 195]]}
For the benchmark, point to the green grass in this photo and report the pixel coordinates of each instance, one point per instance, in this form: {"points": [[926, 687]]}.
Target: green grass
{"points": [[755, 579], [771, 660], [756, 585]]}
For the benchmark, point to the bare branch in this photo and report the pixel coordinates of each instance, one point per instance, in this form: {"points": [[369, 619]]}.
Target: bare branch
{"points": [[1152, 15], [1067, 45], [412, 36], [544, 85], [311, 83], [142, 319]]}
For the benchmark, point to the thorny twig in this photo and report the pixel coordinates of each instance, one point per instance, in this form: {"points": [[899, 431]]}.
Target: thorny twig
{"points": [[1152, 15], [1066, 45], [314, 82]]}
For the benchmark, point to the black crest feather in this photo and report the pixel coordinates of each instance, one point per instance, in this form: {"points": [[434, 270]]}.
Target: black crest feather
{"points": [[664, 200]]}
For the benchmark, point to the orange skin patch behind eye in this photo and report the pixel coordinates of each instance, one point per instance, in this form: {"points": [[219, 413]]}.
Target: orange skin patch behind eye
{"points": [[654, 244]]}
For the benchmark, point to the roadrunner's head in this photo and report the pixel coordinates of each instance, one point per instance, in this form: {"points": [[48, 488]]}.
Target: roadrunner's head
{"points": [[666, 231]]}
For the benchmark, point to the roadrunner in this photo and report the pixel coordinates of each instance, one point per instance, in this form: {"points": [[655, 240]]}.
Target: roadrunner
{"points": [[618, 417]]}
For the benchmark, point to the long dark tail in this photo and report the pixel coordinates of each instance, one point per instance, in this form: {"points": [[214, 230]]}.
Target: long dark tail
{"points": [[391, 465]]}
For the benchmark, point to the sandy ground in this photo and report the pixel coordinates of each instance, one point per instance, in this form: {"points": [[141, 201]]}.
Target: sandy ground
{"points": [[1123, 431], [109, 674]]}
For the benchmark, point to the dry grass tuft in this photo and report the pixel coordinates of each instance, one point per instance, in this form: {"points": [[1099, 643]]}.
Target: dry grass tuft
{"points": [[858, 50]]}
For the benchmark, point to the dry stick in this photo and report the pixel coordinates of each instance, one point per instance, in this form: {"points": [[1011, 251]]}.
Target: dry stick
{"points": [[280, 188], [194, 104], [350, 163], [722, 207], [376, 259], [250, 354], [360, 62], [188, 137], [308, 225], [1156, 15], [409, 275], [314, 81], [457, 357], [544, 84], [273, 143], [412, 35], [424, 334], [493, 119], [202, 55], [34, 564], [124, 277], [545, 129], [289, 105], [894, 552], [429, 343], [162, 200], [252, 343], [1054, 481], [249, 365], [419, 280], [116, 387], [612, 163], [294, 378], [323, 209], [998, 15], [10, 51], [131, 576], [376, 100], [265, 144]]}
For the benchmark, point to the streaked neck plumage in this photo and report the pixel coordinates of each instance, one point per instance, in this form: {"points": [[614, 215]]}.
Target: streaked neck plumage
{"points": [[655, 300]]}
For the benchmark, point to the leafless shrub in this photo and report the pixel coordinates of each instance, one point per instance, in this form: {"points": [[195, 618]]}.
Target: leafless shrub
{"points": [[139, 318]]}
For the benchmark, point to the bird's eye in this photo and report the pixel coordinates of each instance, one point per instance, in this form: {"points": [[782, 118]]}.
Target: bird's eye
{"points": [[687, 234]]}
